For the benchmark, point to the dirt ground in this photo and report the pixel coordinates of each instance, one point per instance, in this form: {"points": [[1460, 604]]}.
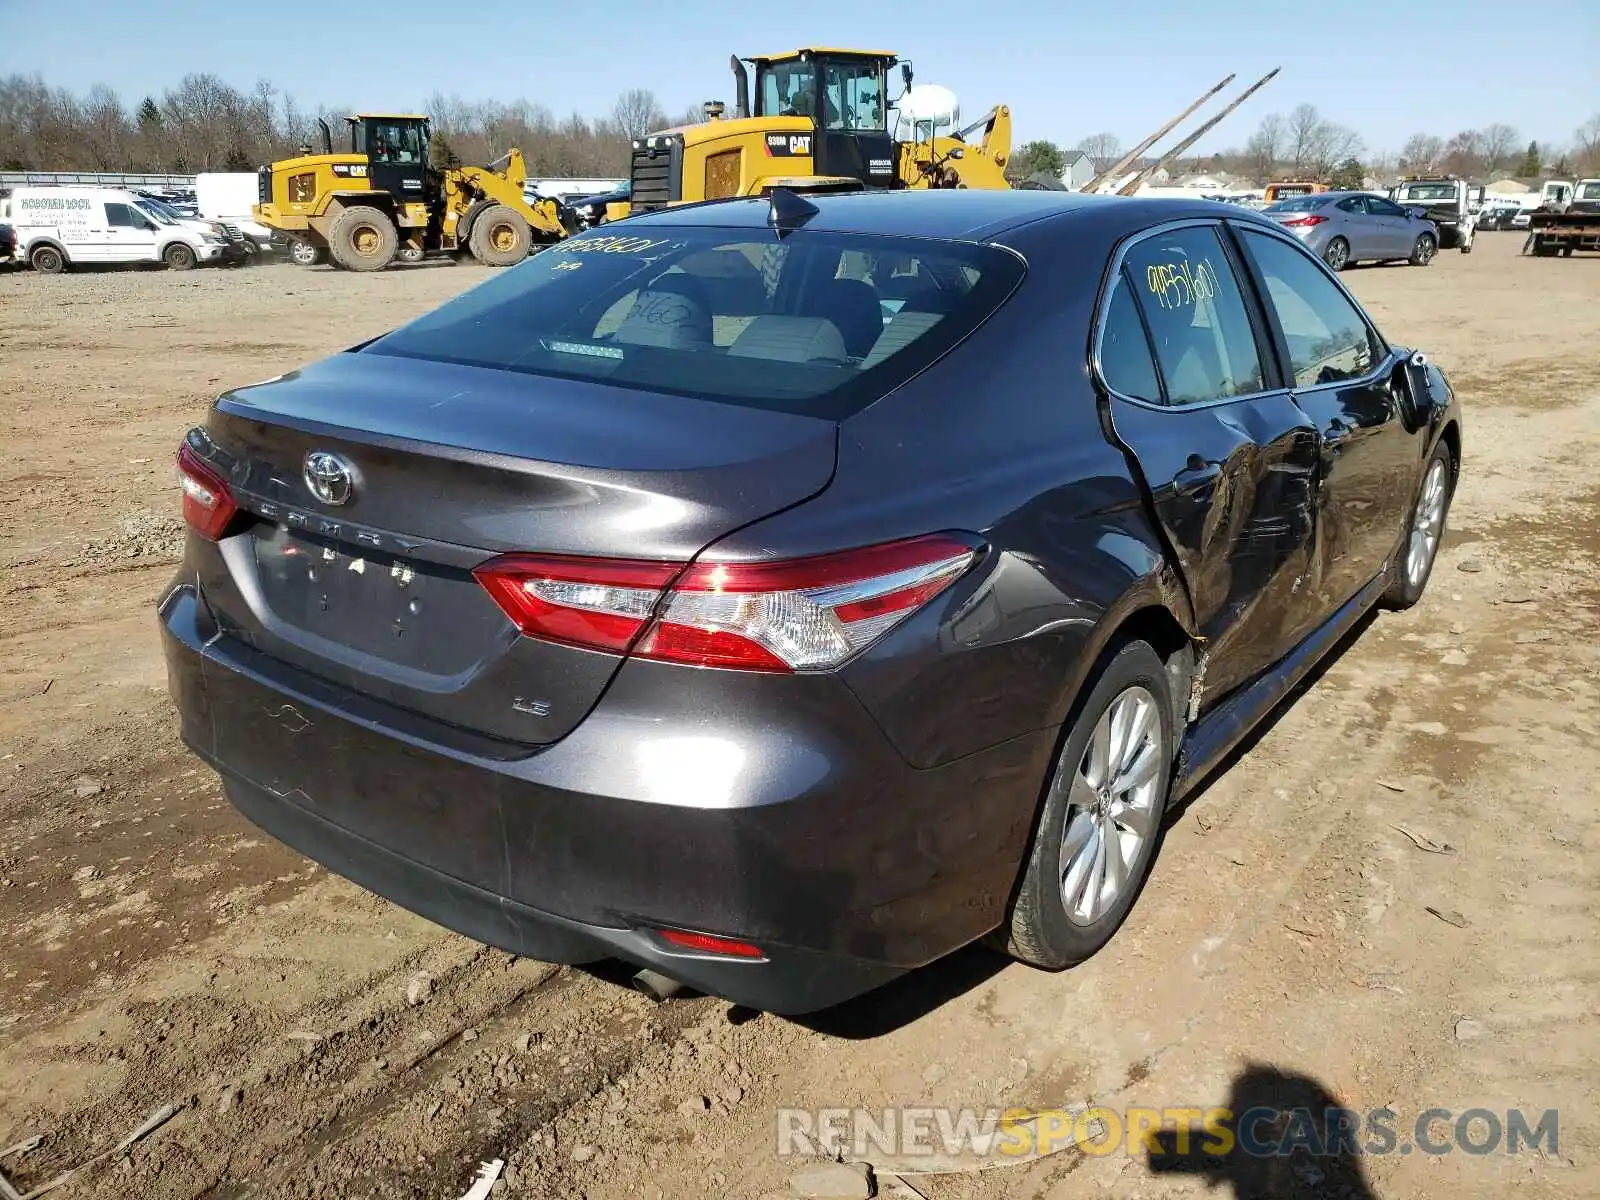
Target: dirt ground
{"points": [[157, 950]]}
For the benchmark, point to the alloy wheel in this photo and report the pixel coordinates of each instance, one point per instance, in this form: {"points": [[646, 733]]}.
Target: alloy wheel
{"points": [[1338, 254], [1427, 524], [1113, 808]]}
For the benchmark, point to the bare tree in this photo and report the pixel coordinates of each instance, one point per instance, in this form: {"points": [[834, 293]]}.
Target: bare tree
{"points": [[1304, 122], [1586, 145], [1463, 153], [204, 123], [638, 112], [1101, 147], [1265, 147], [1422, 153], [1500, 147]]}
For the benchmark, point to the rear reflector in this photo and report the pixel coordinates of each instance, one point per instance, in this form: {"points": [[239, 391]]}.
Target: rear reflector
{"points": [[705, 943], [1302, 222], [208, 505], [808, 614]]}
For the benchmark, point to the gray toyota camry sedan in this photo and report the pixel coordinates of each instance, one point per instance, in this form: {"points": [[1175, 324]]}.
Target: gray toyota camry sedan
{"points": [[781, 593]]}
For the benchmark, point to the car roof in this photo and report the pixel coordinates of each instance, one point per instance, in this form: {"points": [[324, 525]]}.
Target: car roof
{"points": [[964, 214]]}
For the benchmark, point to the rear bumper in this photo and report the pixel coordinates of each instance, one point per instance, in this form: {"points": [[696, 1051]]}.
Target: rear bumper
{"points": [[798, 830]]}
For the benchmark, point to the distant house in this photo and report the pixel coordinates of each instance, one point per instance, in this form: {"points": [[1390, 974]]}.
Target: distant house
{"points": [[1509, 187], [1079, 170], [1204, 183]]}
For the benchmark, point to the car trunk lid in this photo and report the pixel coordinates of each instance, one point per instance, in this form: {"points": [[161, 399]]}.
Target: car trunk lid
{"points": [[448, 467]]}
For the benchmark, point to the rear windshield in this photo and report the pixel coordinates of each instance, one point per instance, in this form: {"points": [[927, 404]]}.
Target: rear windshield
{"points": [[1589, 191], [1301, 204], [813, 323]]}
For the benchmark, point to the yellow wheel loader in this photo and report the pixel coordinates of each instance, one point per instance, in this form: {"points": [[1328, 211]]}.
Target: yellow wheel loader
{"points": [[819, 123], [390, 197]]}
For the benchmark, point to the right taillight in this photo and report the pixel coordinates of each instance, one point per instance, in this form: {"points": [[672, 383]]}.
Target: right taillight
{"points": [[208, 504], [807, 614]]}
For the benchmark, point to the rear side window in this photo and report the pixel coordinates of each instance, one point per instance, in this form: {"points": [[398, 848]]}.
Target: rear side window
{"points": [[813, 323], [1125, 360], [120, 214], [1196, 314], [1328, 338]]}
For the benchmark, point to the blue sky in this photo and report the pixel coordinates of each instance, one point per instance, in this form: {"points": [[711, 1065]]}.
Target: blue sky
{"points": [[1387, 68]]}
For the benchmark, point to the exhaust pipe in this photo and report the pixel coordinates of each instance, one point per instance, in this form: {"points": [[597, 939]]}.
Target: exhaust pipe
{"points": [[327, 136], [741, 87], [656, 985]]}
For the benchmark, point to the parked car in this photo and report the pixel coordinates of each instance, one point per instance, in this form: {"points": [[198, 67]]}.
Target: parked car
{"points": [[58, 227], [787, 592], [1498, 213], [591, 210], [1351, 227], [8, 243]]}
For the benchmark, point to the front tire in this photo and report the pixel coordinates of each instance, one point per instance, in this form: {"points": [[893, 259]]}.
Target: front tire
{"points": [[363, 238], [501, 236], [1101, 822], [1337, 254], [180, 257], [1424, 531], [1423, 250]]}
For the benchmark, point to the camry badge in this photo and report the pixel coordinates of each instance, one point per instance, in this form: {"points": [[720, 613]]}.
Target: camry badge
{"points": [[329, 477]]}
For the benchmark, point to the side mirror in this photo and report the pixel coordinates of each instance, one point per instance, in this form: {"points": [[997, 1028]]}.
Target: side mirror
{"points": [[905, 74], [1416, 213]]}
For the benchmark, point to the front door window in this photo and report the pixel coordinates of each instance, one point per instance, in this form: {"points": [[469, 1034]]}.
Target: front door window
{"points": [[853, 96]]}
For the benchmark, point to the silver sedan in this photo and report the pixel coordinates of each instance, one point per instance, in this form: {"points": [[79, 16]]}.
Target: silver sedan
{"points": [[1350, 227]]}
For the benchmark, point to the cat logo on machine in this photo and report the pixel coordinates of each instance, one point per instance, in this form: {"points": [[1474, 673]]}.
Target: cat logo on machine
{"points": [[789, 145], [350, 170]]}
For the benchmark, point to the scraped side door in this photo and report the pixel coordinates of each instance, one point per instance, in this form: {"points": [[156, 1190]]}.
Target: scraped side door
{"points": [[1227, 456]]}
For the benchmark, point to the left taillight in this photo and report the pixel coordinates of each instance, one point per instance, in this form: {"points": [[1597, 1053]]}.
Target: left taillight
{"points": [[807, 614], [208, 504]]}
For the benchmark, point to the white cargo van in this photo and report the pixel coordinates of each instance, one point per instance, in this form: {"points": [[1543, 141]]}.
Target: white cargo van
{"points": [[57, 227]]}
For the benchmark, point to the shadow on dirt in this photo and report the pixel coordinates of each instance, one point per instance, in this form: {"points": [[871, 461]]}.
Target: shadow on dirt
{"points": [[1279, 1136]]}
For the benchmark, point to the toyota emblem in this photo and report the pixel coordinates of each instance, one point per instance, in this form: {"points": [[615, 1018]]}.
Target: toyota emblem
{"points": [[329, 477]]}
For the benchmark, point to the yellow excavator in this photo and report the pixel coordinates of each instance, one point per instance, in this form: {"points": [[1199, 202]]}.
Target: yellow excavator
{"points": [[819, 122], [391, 196]]}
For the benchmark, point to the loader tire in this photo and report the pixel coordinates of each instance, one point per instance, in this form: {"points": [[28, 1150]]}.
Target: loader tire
{"points": [[363, 238], [501, 236]]}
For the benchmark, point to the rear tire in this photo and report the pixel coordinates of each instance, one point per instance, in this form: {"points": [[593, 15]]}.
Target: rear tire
{"points": [[1337, 254], [501, 236], [1123, 732], [47, 260], [1423, 250], [410, 253], [180, 257], [1424, 531], [363, 238]]}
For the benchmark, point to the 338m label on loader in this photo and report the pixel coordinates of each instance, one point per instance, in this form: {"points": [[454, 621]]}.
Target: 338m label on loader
{"points": [[789, 145]]}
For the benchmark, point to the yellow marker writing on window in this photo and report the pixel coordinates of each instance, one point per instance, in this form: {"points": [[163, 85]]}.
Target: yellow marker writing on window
{"points": [[1181, 284]]}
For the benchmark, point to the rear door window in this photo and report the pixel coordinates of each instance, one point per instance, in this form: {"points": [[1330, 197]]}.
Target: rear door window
{"points": [[1196, 314], [813, 323], [121, 216], [1329, 340], [1125, 361]]}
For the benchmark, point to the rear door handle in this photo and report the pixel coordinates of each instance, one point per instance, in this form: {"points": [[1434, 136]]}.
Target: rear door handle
{"points": [[1197, 476]]}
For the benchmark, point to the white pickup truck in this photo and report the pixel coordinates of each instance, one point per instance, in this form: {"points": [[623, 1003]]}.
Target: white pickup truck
{"points": [[1446, 200]]}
